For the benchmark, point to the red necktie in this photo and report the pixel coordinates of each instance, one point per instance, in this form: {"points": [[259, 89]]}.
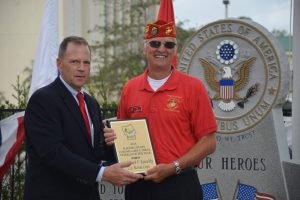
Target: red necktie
{"points": [[84, 114]]}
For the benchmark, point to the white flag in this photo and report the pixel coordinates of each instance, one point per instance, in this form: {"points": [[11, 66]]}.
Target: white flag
{"points": [[44, 69], [44, 72]]}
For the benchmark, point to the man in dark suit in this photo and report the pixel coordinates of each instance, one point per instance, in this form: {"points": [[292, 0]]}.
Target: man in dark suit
{"points": [[64, 135]]}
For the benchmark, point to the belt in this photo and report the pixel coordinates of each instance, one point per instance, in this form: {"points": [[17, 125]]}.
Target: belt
{"points": [[188, 169]]}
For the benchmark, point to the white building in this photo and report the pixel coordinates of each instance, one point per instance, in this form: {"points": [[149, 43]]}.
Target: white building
{"points": [[20, 23]]}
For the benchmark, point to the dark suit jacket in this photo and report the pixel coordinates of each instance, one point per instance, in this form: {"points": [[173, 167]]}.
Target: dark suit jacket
{"points": [[62, 164]]}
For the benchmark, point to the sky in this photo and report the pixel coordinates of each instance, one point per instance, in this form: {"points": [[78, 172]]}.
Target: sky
{"points": [[272, 14]]}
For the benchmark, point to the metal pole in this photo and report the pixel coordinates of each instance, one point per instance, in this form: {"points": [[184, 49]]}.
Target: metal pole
{"points": [[226, 2], [296, 81]]}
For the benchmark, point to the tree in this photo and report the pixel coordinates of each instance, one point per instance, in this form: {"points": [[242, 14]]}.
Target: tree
{"points": [[245, 17], [21, 89], [183, 35], [119, 56], [279, 33], [275, 32], [2, 98], [12, 185]]}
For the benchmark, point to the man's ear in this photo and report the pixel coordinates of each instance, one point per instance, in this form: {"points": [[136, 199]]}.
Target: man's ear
{"points": [[58, 63], [144, 46]]}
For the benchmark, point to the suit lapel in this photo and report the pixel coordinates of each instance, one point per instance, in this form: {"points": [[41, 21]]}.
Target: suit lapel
{"points": [[72, 106], [92, 108]]}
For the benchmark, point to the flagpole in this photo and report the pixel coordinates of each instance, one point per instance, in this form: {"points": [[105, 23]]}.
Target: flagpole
{"points": [[226, 3], [218, 189], [234, 196]]}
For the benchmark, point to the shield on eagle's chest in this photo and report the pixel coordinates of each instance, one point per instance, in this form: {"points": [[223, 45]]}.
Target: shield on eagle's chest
{"points": [[226, 89]]}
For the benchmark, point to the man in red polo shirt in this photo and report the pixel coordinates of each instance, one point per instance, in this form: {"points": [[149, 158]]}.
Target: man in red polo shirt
{"points": [[180, 118]]}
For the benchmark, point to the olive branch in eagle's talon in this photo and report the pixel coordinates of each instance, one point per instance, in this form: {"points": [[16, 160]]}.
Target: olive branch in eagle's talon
{"points": [[250, 92]]}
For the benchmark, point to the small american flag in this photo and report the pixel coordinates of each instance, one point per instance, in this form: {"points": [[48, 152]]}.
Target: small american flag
{"points": [[210, 191], [248, 192]]}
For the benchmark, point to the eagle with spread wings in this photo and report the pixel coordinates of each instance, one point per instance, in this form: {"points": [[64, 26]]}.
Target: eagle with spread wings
{"points": [[226, 88]]}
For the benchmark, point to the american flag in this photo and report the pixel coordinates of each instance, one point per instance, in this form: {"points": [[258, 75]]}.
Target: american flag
{"points": [[11, 139], [210, 191], [248, 192]]}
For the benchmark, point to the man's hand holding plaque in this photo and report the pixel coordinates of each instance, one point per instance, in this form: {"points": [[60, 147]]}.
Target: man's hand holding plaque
{"points": [[132, 142]]}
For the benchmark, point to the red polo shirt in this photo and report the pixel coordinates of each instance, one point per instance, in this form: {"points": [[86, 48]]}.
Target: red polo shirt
{"points": [[178, 113]]}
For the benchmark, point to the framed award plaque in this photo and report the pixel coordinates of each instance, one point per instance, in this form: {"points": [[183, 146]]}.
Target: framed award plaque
{"points": [[133, 143]]}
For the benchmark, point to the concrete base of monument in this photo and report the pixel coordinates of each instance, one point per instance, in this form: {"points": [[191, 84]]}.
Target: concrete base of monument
{"points": [[111, 192], [249, 161], [292, 175], [256, 161]]}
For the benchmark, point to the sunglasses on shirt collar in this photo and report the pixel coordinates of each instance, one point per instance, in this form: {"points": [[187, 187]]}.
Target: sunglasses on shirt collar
{"points": [[156, 44]]}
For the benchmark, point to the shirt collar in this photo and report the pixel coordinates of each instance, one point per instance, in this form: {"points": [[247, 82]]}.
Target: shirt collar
{"points": [[170, 84], [72, 90]]}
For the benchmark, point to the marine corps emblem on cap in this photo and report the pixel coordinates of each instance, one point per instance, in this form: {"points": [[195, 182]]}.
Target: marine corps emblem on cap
{"points": [[169, 30], [160, 29], [154, 31]]}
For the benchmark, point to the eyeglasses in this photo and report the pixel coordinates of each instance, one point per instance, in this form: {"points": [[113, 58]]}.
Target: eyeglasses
{"points": [[167, 45]]}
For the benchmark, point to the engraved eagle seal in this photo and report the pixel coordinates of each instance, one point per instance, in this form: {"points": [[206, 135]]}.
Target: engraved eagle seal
{"points": [[227, 87]]}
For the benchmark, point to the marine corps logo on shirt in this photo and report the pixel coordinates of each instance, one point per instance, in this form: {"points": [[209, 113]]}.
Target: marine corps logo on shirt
{"points": [[173, 103], [238, 62]]}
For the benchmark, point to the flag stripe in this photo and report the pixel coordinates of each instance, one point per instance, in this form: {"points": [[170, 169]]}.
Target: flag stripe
{"points": [[226, 92], [262, 196], [13, 136], [249, 192]]}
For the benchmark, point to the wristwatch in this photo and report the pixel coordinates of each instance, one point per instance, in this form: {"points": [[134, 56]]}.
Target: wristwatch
{"points": [[177, 167]]}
